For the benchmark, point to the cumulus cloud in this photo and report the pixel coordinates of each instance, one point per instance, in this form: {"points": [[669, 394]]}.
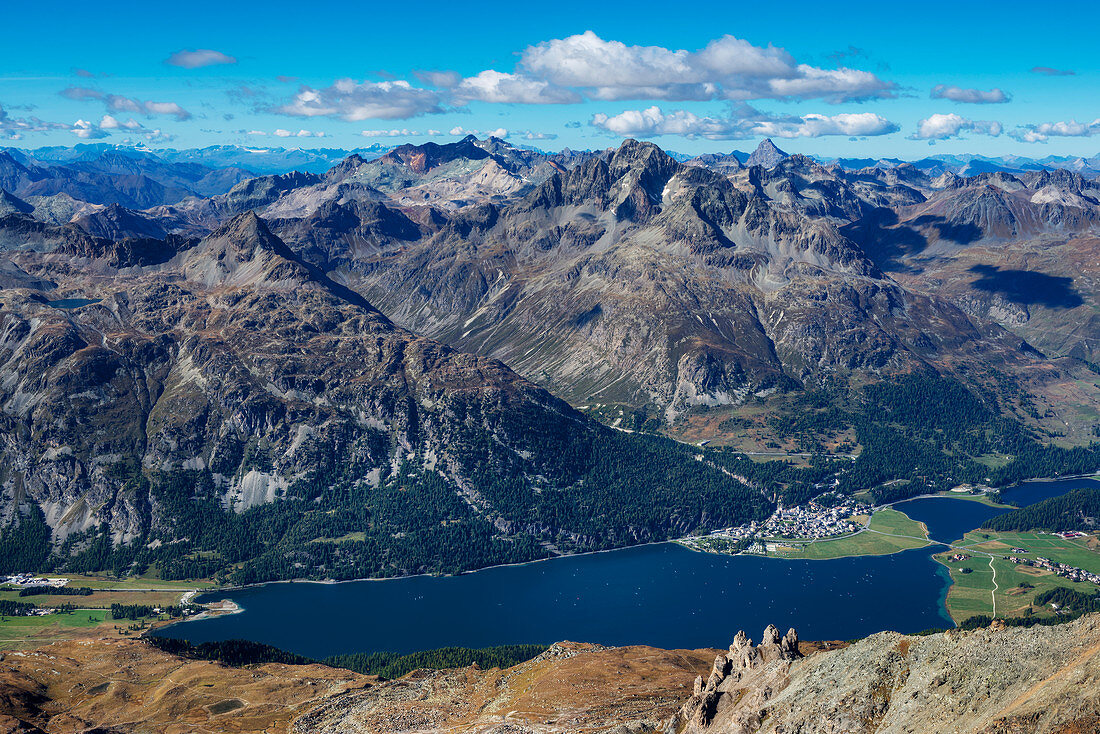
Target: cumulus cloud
{"points": [[120, 103], [349, 100], [969, 96], [727, 68], [532, 135], [1048, 71], [199, 57], [13, 128], [942, 127], [495, 86], [109, 124], [392, 133], [1041, 132], [458, 130], [748, 123], [88, 130], [281, 133], [855, 125], [585, 66]]}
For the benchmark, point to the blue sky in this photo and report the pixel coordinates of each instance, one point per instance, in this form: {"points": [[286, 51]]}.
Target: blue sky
{"points": [[875, 79]]}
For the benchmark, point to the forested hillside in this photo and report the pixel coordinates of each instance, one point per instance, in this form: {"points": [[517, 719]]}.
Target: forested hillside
{"points": [[1076, 510]]}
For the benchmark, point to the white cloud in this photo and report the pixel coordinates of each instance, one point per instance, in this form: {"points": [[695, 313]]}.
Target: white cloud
{"points": [[749, 123], [942, 127], [282, 133], [109, 124], [458, 130], [970, 96], [88, 130], [112, 123], [727, 68], [857, 125], [831, 85], [495, 86], [532, 135], [260, 133], [394, 133], [353, 101], [13, 128], [120, 103], [167, 108], [1065, 129], [194, 59]]}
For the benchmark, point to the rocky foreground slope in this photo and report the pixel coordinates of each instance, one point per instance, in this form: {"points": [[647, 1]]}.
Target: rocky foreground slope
{"points": [[1042, 680]]}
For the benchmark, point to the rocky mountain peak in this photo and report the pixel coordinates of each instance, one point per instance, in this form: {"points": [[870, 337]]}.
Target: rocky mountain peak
{"points": [[422, 158], [244, 251], [642, 170], [345, 168], [766, 155], [116, 222], [637, 154]]}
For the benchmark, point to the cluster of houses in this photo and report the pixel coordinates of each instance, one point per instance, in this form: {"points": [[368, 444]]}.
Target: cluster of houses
{"points": [[808, 521], [26, 579], [1060, 569], [813, 521]]}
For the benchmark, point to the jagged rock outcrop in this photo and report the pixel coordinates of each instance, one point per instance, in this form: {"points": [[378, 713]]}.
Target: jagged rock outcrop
{"points": [[746, 677], [1001, 680]]}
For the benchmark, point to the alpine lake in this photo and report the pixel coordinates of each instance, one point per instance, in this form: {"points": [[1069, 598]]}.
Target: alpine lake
{"points": [[663, 595]]}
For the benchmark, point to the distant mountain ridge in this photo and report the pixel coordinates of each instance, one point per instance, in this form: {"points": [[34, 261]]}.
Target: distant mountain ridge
{"points": [[262, 159]]}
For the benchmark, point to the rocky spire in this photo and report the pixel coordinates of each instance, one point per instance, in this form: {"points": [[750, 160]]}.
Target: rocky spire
{"points": [[748, 669], [766, 155]]}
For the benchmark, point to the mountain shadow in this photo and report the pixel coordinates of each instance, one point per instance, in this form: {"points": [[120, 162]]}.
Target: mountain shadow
{"points": [[886, 243], [1026, 287], [961, 233]]}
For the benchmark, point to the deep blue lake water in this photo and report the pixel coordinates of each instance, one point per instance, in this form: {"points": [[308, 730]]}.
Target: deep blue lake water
{"points": [[662, 595], [70, 303]]}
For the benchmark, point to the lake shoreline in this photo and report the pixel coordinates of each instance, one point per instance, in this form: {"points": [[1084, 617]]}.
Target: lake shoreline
{"points": [[676, 541], [931, 547]]}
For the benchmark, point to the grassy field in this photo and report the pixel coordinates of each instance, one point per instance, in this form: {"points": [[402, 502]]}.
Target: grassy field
{"points": [[26, 632], [970, 593], [20, 633], [99, 599], [880, 538]]}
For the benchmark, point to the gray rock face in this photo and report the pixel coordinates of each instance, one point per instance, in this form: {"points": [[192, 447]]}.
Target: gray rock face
{"points": [[234, 344], [766, 155], [750, 673], [1038, 680], [632, 279]]}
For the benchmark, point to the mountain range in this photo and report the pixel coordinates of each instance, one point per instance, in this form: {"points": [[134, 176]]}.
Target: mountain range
{"points": [[441, 357]]}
